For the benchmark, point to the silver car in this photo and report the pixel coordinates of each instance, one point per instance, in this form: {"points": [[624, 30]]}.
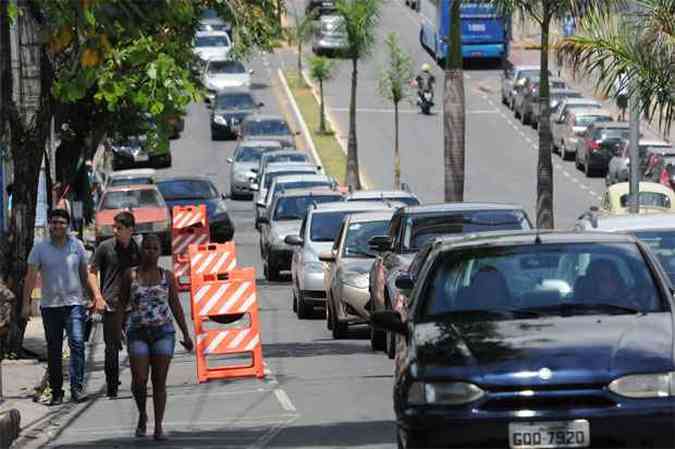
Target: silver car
{"points": [[242, 163], [221, 74], [348, 270], [401, 196], [283, 183], [330, 36], [264, 182], [284, 218], [559, 115], [285, 155], [576, 123], [317, 233], [512, 77], [619, 165]]}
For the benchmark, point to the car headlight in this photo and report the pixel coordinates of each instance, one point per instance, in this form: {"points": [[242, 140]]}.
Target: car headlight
{"points": [[641, 386], [445, 393], [313, 267], [105, 230], [356, 280], [219, 119], [161, 226]]}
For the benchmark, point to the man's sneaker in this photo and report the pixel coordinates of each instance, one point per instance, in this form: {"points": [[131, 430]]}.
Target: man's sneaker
{"points": [[112, 393], [57, 399], [78, 396]]}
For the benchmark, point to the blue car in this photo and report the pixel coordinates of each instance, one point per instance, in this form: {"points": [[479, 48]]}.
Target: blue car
{"points": [[194, 191], [535, 340]]}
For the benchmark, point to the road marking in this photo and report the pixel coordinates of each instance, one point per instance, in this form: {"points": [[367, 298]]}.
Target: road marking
{"points": [[566, 173], [583, 187], [593, 193], [284, 400]]}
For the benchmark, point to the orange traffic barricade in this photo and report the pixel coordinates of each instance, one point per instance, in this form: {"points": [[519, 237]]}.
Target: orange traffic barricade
{"points": [[226, 324], [211, 258], [190, 226]]}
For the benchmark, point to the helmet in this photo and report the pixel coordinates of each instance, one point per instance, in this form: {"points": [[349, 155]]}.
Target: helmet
{"points": [[426, 68]]}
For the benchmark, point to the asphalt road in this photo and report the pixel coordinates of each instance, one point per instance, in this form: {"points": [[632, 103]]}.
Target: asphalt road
{"points": [[501, 153], [317, 393]]}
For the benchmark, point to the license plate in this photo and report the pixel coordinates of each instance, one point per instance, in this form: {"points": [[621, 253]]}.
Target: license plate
{"points": [[554, 434], [476, 54], [142, 157]]}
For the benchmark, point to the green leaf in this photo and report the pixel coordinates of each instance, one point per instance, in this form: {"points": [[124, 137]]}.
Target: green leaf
{"points": [[152, 72], [156, 108]]}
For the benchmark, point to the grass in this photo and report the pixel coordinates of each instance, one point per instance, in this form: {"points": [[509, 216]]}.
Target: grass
{"points": [[333, 159]]}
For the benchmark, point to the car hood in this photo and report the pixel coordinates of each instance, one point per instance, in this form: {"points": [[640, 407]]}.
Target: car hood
{"points": [[220, 82], [210, 204], [141, 215], [577, 349], [284, 139]]}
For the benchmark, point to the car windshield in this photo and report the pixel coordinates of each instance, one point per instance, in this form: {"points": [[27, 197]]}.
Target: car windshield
{"points": [[266, 128], [358, 234], [212, 41], [226, 67], [184, 189], [648, 199], [131, 199], [295, 207], [269, 177], [585, 120], [248, 154], [129, 181], [529, 281], [407, 200], [421, 228], [662, 243], [325, 225], [235, 101]]}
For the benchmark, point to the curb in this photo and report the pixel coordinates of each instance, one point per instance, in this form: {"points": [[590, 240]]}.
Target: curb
{"points": [[10, 426], [299, 118]]}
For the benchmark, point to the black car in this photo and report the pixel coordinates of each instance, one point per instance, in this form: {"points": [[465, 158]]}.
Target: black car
{"points": [[598, 144], [267, 127], [533, 340], [230, 108], [184, 191]]}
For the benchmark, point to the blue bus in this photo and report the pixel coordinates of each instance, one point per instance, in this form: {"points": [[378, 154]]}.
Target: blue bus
{"points": [[485, 34]]}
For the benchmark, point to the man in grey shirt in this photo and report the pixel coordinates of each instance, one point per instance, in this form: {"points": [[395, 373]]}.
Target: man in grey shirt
{"points": [[61, 261]]}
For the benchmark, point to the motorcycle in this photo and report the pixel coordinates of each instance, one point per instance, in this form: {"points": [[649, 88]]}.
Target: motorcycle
{"points": [[425, 101]]}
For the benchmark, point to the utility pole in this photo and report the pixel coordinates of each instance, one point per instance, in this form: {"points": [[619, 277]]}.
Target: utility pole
{"points": [[634, 186]]}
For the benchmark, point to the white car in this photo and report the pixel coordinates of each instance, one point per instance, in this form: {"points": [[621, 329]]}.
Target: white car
{"points": [[132, 176], [212, 45], [220, 74]]}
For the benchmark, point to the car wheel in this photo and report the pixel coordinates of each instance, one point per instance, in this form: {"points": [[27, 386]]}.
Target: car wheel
{"points": [[409, 439], [587, 170], [391, 345], [377, 339], [215, 135], [577, 162], [563, 151], [272, 269], [516, 114], [329, 313], [304, 309], [524, 118], [339, 327]]}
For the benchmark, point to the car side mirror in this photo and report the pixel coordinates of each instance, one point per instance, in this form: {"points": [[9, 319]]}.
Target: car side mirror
{"points": [[229, 160], [255, 187], [254, 170], [380, 243], [261, 204], [389, 320], [293, 240], [327, 256], [405, 282]]}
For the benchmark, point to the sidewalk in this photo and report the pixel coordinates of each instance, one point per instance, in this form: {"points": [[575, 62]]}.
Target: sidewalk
{"points": [[525, 51]]}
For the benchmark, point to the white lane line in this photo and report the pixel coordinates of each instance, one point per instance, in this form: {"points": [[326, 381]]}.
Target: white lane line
{"points": [[593, 193], [566, 174], [483, 111], [583, 187], [284, 400]]}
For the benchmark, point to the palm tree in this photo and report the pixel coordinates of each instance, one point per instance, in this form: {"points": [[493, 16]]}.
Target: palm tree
{"points": [[641, 46], [543, 12], [321, 70], [300, 32], [394, 85], [454, 116], [360, 25]]}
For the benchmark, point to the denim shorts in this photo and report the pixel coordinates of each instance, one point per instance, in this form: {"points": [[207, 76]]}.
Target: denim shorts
{"points": [[149, 341]]}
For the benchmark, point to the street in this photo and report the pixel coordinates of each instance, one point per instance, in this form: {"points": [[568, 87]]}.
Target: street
{"points": [[319, 392]]}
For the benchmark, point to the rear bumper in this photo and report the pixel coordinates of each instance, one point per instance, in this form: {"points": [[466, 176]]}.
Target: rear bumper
{"points": [[483, 51]]}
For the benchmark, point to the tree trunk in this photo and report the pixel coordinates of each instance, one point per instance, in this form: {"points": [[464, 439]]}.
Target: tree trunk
{"points": [[300, 58], [353, 176], [322, 112], [397, 154], [544, 165], [454, 118]]}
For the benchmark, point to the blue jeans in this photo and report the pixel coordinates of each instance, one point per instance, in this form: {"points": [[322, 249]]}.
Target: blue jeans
{"points": [[70, 319]]}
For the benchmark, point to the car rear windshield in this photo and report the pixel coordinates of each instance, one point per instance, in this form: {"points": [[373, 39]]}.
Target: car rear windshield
{"points": [[132, 199], [184, 189], [585, 120], [295, 208], [130, 181], [248, 154], [212, 41], [421, 228], [661, 243], [358, 234], [532, 281], [266, 128], [235, 101], [228, 67], [611, 134], [653, 199], [300, 185], [269, 177]]}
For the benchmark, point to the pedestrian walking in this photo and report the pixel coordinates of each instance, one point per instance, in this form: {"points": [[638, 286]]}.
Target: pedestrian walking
{"points": [[61, 261], [109, 263], [621, 93], [149, 295]]}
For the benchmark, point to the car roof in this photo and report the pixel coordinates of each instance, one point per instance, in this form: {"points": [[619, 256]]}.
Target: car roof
{"points": [[460, 207], [358, 194], [184, 178], [631, 222], [511, 238], [563, 90], [260, 143], [134, 172], [127, 188], [366, 217], [296, 178], [264, 118], [526, 67], [584, 100], [282, 152], [655, 143], [211, 33], [284, 166], [645, 186], [592, 111], [309, 191], [231, 90], [611, 125], [356, 206]]}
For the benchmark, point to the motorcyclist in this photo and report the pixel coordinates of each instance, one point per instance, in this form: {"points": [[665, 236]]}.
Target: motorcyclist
{"points": [[425, 81]]}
